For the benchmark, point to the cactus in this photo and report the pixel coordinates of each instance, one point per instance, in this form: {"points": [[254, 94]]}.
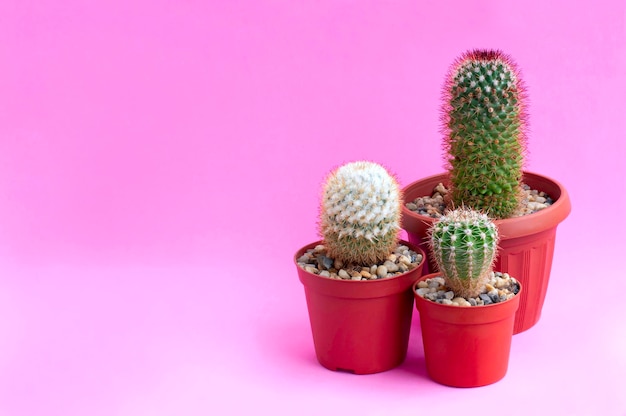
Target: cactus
{"points": [[464, 244], [360, 213], [484, 124]]}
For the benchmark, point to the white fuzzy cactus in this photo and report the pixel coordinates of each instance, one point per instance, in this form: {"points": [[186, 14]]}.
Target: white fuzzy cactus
{"points": [[360, 213]]}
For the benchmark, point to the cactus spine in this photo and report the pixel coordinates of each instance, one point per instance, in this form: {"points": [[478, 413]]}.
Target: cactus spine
{"points": [[360, 213], [484, 124], [464, 244]]}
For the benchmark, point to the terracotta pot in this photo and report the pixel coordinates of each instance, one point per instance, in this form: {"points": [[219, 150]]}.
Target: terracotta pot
{"points": [[526, 243], [466, 346], [360, 326]]}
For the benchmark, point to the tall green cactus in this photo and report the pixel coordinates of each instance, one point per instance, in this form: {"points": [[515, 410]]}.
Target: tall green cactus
{"points": [[464, 244], [484, 123], [360, 213]]}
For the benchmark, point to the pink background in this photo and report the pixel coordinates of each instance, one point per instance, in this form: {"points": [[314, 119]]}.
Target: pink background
{"points": [[160, 163]]}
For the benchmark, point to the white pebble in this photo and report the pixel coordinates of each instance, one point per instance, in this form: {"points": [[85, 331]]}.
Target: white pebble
{"points": [[440, 280], [422, 291]]}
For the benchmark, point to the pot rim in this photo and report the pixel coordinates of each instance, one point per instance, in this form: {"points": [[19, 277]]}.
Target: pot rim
{"points": [[360, 289], [471, 309], [412, 246], [525, 225]]}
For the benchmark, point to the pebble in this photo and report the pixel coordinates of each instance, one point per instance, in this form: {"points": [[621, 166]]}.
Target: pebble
{"points": [[324, 262], [366, 274], [433, 284], [485, 298], [440, 280], [390, 266], [422, 284], [344, 274], [441, 189], [311, 269], [422, 291], [354, 274], [461, 301], [325, 273], [381, 271]]}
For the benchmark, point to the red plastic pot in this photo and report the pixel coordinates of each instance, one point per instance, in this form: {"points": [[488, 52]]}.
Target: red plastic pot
{"points": [[526, 243], [360, 326], [466, 346]]}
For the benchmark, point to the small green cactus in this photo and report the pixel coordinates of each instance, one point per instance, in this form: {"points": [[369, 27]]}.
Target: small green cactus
{"points": [[464, 243], [484, 123], [360, 213]]}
